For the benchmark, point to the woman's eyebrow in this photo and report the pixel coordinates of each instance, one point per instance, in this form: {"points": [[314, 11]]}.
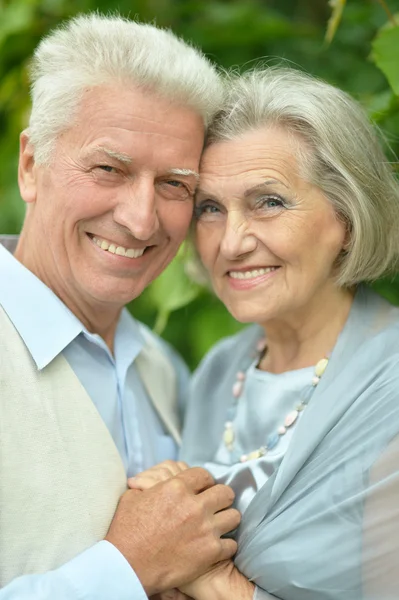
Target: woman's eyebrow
{"points": [[264, 184], [203, 192]]}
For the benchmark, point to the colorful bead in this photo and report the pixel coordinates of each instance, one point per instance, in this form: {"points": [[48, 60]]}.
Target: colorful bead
{"points": [[237, 389], [321, 367], [291, 418], [272, 441], [253, 455], [228, 436]]}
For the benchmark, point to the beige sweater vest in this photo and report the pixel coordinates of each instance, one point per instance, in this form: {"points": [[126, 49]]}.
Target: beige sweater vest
{"points": [[60, 473]]}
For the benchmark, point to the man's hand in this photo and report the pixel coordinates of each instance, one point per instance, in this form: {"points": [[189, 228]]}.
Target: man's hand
{"points": [[171, 533], [161, 472]]}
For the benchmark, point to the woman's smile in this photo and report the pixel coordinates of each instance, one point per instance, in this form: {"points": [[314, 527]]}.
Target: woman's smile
{"points": [[244, 279], [262, 228]]}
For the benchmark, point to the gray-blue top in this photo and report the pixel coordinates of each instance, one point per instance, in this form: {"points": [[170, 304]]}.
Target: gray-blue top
{"points": [[321, 522]]}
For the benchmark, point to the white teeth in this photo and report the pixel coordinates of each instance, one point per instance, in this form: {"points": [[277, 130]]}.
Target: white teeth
{"points": [[133, 253], [250, 274], [119, 250]]}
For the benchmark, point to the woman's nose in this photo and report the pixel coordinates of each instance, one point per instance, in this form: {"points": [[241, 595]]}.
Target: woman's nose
{"points": [[237, 238]]}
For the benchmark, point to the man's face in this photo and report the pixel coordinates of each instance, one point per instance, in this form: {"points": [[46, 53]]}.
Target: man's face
{"points": [[110, 211]]}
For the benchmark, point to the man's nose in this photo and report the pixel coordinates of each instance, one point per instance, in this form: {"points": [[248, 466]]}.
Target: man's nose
{"points": [[136, 210], [237, 238]]}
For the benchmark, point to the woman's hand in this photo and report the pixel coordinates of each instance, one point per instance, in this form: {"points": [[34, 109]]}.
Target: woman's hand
{"points": [[171, 595], [222, 582], [147, 479]]}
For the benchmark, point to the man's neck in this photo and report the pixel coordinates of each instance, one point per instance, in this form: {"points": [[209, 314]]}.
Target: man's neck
{"points": [[98, 318]]}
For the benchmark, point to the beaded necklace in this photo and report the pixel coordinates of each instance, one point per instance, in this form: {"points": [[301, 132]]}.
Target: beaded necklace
{"points": [[290, 419]]}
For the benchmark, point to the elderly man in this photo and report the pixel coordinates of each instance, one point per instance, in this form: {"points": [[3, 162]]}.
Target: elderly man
{"points": [[108, 169]]}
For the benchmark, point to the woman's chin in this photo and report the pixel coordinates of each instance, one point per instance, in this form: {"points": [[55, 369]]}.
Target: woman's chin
{"points": [[249, 316]]}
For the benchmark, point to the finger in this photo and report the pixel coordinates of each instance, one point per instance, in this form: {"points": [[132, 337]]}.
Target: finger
{"points": [[228, 548], [142, 483], [174, 467], [131, 483], [197, 479], [154, 475], [218, 497], [170, 595], [227, 520], [182, 465]]}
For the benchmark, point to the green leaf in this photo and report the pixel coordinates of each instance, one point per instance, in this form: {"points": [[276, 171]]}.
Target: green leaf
{"points": [[385, 55], [380, 105], [16, 17], [335, 19], [172, 290]]}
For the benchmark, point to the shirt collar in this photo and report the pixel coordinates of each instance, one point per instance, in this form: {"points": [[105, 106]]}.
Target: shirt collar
{"points": [[42, 320]]}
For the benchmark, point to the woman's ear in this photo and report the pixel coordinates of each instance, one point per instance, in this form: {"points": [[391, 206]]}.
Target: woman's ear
{"points": [[348, 239], [26, 169]]}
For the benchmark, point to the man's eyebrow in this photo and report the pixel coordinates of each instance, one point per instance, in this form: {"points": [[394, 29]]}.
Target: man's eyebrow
{"points": [[262, 185], [121, 156], [185, 173]]}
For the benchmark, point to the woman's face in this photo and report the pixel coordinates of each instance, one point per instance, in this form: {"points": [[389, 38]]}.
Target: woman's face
{"points": [[267, 237]]}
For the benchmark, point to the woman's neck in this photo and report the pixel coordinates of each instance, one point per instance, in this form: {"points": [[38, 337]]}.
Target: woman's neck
{"points": [[305, 336]]}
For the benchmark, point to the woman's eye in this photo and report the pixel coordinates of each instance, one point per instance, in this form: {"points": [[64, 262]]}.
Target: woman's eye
{"points": [[272, 202], [205, 210]]}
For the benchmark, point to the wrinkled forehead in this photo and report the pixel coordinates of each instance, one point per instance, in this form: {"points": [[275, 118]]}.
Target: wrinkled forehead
{"points": [[264, 153]]}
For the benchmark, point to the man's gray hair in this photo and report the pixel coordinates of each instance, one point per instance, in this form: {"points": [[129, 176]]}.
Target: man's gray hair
{"points": [[94, 50], [339, 151]]}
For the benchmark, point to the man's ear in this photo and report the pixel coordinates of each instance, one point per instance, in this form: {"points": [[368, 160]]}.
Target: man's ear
{"points": [[26, 169]]}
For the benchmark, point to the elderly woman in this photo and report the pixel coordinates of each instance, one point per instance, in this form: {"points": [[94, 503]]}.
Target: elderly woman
{"points": [[296, 207]]}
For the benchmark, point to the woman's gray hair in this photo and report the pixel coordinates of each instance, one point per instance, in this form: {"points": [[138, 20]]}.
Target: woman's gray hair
{"points": [[341, 154], [93, 50]]}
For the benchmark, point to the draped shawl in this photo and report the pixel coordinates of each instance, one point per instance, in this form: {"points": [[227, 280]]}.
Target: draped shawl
{"points": [[325, 526]]}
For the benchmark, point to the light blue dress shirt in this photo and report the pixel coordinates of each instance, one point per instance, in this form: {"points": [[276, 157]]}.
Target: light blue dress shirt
{"points": [[48, 328]]}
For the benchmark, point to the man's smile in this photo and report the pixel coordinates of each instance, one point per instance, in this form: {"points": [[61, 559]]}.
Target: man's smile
{"points": [[114, 248]]}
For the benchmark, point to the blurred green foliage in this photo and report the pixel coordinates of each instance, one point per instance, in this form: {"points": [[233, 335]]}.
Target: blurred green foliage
{"points": [[361, 56]]}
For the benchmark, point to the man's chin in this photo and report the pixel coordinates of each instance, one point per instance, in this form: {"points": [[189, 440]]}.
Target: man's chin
{"points": [[113, 295]]}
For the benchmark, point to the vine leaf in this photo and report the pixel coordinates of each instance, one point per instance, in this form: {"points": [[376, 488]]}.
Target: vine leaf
{"points": [[335, 19], [385, 55], [172, 290]]}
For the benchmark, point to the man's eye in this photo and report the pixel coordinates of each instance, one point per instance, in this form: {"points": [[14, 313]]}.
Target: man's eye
{"points": [[107, 168], [174, 183], [174, 189]]}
